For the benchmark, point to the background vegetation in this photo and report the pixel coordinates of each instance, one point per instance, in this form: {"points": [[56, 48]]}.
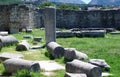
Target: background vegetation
{"points": [[4, 2]]}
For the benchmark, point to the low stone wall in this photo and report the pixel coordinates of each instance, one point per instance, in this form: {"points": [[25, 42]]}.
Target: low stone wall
{"points": [[83, 19]]}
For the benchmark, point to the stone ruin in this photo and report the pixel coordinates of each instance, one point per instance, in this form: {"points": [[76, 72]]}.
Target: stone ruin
{"points": [[15, 17], [76, 67]]}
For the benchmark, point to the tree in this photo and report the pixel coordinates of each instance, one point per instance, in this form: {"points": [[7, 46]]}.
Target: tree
{"points": [[46, 4], [68, 6], [4, 2]]}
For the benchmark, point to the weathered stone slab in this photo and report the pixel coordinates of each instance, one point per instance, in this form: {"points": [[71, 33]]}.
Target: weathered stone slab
{"points": [[29, 30], [50, 66], [93, 33], [105, 74], [23, 46], [64, 34], [106, 29], [55, 49], [28, 36], [37, 47], [77, 66], [3, 33], [78, 34], [13, 65], [72, 53], [100, 62], [35, 43], [38, 39], [75, 75], [8, 40], [115, 33], [90, 33], [5, 56]]}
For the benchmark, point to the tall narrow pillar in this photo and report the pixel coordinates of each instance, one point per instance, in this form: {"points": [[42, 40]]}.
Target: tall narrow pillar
{"points": [[50, 24]]}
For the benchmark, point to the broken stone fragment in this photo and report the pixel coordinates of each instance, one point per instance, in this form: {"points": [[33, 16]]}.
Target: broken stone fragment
{"points": [[38, 39], [72, 53], [101, 63], [28, 36], [64, 34], [3, 33], [28, 30], [5, 56]]}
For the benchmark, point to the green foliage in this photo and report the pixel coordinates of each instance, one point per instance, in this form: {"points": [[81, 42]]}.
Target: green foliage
{"points": [[68, 6], [2, 2], [46, 4], [26, 73], [2, 70], [107, 48], [63, 6]]}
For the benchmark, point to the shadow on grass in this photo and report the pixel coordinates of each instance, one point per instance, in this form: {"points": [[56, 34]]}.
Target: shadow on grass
{"points": [[49, 55], [5, 74]]}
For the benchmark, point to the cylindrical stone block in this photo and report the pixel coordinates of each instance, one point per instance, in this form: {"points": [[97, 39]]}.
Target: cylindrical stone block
{"points": [[64, 34], [23, 46], [94, 33], [38, 39], [13, 65], [77, 66], [50, 24], [3, 33], [55, 49], [72, 53], [8, 40]]}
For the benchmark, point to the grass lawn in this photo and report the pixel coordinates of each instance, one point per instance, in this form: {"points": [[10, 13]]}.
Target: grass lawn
{"points": [[107, 48]]}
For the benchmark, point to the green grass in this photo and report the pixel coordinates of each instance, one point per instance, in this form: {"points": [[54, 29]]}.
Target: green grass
{"points": [[107, 48]]}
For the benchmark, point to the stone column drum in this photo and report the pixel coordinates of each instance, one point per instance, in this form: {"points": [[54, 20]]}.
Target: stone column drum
{"points": [[8, 40], [23, 46], [77, 66], [50, 24], [13, 65], [55, 49]]}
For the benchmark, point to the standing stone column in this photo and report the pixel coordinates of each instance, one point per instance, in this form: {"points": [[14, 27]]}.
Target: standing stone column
{"points": [[50, 24]]}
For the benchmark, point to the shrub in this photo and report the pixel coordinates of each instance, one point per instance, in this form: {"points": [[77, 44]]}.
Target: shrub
{"points": [[46, 4], [26, 73], [68, 6]]}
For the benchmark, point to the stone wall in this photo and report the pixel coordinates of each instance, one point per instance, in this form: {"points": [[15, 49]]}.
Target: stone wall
{"points": [[4, 17], [88, 19], [38, 18], [84, 19], [15, 17]]}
